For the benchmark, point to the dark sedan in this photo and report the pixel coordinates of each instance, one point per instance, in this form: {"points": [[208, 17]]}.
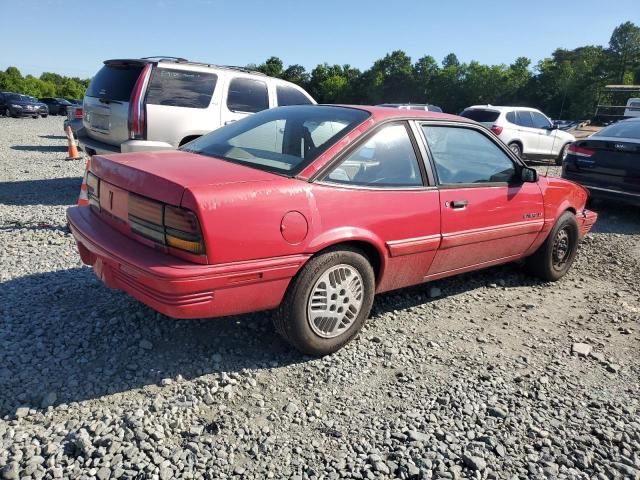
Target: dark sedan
{"points": [[57, 106], [17, 105], [608, 162]]}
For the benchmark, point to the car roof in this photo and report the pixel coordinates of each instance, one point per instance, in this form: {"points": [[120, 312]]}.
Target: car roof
{"points": [[501, 108], [383, 113], [181, 61]]}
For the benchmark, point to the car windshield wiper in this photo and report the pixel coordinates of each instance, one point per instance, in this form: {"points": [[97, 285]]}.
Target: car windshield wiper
{"points": [[108, 100]]}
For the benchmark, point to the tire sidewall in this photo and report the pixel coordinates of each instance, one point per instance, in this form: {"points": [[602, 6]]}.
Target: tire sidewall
{"points": [[519, 152], [299, 331]]}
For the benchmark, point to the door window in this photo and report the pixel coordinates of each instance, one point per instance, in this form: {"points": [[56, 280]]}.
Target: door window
{"points": [[540, 121], [387, 159], [247, 95], [523, 119], [463, 156]]}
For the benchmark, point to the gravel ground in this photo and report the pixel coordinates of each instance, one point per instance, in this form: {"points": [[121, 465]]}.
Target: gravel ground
{"points": [[487, 375]]}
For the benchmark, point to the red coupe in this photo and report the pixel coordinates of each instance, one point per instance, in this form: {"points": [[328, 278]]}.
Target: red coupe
{"points": [[315, 209]]}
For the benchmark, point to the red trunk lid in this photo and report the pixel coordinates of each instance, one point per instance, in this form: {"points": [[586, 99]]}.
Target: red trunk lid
{"points": [[163, 176]]}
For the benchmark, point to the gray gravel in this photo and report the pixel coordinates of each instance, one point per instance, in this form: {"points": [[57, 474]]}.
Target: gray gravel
{"points": [[488, 375]]}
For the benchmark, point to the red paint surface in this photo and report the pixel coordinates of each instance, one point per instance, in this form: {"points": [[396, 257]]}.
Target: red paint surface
{"points": [[259, 228]]}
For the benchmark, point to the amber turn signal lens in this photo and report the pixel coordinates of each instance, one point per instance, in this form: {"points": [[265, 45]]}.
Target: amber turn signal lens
{"points": [[195, 247]]}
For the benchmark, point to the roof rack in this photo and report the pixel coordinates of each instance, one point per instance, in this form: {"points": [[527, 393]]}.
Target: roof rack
{"points": [[161, 58], [165, 58]]}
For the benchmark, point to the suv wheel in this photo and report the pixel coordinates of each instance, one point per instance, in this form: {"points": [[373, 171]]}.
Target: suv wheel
{"points": [[327, 302], [515, 148]]}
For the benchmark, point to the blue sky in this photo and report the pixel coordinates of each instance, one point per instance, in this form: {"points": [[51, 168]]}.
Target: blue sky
{"points": [[305, 32]]}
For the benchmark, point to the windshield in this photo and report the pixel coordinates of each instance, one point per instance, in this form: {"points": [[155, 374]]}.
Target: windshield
{"points": [[624, 129], [282, 140]]}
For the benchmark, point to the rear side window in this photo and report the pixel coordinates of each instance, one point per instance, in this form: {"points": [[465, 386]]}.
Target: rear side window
{"points": [[247, 95], [511, 118], [481, 116], [290, 96], [114, 82], [181, 88], [524, 119]]}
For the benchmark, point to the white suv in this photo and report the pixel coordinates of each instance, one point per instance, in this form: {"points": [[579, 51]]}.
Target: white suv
{"points": [[160, 103], [528, 132]]}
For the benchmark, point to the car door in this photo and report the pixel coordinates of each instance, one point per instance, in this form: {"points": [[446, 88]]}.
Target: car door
{"points": [[548, 143], [487, 215], [379, 192], [244, 95], [527, 133]]}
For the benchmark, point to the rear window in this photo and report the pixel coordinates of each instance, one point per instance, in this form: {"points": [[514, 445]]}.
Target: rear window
{"points": [[290, 96], [247, 95], [624, 129], [481, 115], [114, 82], [181, 88]]}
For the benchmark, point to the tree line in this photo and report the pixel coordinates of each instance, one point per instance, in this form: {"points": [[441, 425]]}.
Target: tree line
{"points": [[564, 85]]}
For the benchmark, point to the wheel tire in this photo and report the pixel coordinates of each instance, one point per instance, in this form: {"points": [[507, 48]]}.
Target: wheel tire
{"points": [[292, 319], [562, 155], [554, 257], [516, 148], [7, 112], [34, 116], [45, 116]]}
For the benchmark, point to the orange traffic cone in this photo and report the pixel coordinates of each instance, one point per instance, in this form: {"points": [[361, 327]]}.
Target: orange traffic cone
{"points": [[83, 199], [73, 149]]}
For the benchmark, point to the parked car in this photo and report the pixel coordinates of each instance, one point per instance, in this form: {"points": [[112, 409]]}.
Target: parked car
{"points": [[42, 108], [57, 106], [74, 119], [313, 210], [528, 132], [632, 108], [426, 107], [162, 103], [608, 162], [18, 105]]}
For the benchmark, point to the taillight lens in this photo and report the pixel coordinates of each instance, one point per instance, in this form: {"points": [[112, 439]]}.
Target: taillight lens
{"points": [[77, 112], [497, 129], [136, 105], [170, 226], [580, 151], [93, 190]]}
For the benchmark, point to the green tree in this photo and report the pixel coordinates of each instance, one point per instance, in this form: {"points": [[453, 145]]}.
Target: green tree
{"points": [[624, 49]]}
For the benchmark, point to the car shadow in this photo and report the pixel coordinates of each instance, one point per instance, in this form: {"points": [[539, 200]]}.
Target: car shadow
{"points": [[54, 191], [615, 217], [40, 148], [66, 333]]}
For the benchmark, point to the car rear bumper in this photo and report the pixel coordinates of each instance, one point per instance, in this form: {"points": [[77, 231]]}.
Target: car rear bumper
{"points": [[95, 147], [175, 287], [604, 191]]}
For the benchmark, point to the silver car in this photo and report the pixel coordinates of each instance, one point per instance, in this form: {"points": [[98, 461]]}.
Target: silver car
{"points": [[161, 103]]}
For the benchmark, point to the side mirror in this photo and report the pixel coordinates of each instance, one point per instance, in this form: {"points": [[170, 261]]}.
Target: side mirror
{"points": [[529, 175]]}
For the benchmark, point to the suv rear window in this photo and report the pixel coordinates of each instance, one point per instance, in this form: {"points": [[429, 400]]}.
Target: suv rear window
{"points": [[247, 95], [290, 96], [181, 88], [481, 115], [114, 82]]}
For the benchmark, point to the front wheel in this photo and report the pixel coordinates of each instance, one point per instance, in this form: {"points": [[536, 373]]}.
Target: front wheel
{"points": [[327, 302], [7, 112], [562, 155], [45, 116], [554, 257]]}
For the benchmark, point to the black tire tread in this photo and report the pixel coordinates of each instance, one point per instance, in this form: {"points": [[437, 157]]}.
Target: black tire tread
{"points": [[539, 263]]}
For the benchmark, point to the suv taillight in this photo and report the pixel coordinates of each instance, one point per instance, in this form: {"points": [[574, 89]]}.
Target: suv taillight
{"points": [[136, 105], [77, 112], [497, 129]]}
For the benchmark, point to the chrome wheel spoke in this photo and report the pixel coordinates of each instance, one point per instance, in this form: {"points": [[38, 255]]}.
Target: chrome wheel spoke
{"points": [[335, 301]]}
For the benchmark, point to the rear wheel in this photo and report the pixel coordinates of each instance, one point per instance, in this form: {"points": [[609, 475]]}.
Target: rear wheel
{"points": [[562, 155], [516, 148], [327, 302], [45, 115], [7, 112], [556, 255]]}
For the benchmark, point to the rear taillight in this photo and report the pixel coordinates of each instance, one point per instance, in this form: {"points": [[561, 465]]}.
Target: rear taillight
{"points": [[170, 226], [497, 129], [580, 151], [93, 190], [77, 112], [136, 105]]}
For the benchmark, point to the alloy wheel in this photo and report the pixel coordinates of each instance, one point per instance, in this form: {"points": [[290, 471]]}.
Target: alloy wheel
{"points": [[335, 301]]}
